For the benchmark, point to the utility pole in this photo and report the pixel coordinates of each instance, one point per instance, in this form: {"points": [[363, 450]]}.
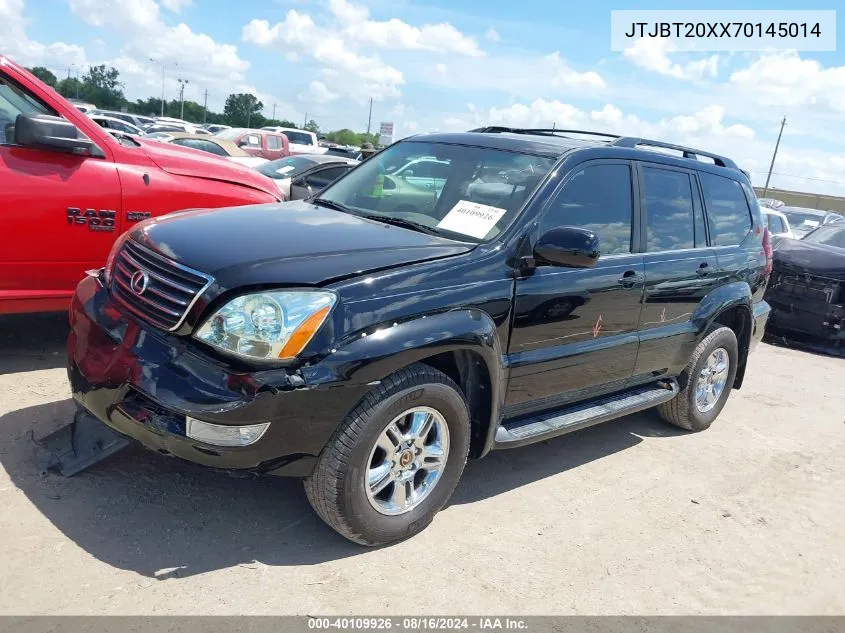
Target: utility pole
{"points": [[370, 117], [274, 111], [163, 66], [182, 84], [774, 155], [305, 121], [204, 104]]}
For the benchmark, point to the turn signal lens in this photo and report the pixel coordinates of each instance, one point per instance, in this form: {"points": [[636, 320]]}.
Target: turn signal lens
{"points": [[223, 434], [299, 339]]}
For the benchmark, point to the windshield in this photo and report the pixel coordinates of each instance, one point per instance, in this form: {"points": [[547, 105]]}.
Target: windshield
{"points": [[286, 167], [231, 134], [461, 192], [828, 235], [802, 221]]}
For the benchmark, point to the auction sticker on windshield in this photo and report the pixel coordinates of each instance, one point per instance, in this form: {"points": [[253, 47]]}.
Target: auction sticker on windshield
{"points": [[471, 218]]}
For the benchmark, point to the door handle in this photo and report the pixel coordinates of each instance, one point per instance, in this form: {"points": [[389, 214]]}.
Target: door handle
{"points": [[630, 279], [704, 269]]}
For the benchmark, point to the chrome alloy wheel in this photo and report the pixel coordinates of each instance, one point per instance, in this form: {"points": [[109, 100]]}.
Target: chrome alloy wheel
{"points": [[407, 461], [712, 380]]}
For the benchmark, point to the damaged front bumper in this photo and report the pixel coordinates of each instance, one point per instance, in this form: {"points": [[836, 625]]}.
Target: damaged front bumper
{"points": [[807, 308], [146, 385]]}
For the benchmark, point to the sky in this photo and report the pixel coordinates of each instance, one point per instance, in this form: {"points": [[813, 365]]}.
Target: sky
{"points": [[448, 65]]}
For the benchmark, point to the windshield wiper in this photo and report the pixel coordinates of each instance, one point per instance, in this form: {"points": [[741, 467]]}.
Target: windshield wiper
{"points": [[331, 204], [407, 224]]}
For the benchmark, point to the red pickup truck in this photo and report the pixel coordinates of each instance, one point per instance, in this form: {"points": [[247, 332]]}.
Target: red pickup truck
{"points": [[68, 189]]}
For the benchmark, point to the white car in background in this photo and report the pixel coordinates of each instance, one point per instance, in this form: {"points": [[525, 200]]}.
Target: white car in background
{"points": [[300, 141], [777, 223], [188, 128], [113, 124]]}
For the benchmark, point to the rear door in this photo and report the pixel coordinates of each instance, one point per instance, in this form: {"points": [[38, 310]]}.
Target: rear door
{"points": [[576, 329], [274, 147], [680, 267], [58, 215]]}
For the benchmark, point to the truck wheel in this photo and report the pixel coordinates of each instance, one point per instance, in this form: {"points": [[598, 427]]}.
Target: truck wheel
{"points": [[395, 459], [708, 381]]}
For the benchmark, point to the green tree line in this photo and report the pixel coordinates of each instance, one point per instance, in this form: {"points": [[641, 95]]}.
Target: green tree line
{"points": [[101, 86]]}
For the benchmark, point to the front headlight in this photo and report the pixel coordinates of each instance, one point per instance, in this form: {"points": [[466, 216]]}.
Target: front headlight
{"points": [[118, 243], [267, 325]]}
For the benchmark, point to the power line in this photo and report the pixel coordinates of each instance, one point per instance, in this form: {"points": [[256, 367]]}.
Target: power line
{"points": [[777, 173]]}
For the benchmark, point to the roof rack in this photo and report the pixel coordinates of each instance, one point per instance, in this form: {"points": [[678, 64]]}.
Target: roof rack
{"points": [[540, 131], [687, 152], [616, 141]]}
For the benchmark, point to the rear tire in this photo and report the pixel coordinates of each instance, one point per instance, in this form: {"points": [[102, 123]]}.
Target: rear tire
{"points": [[696, 406], [375, 444]]}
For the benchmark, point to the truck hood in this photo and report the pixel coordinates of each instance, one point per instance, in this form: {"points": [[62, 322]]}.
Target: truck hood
{"points": [[184, 161], [808, 258], [293, 243]]}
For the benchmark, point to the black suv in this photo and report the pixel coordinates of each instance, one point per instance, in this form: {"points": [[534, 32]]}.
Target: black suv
{"points": [[372, 338]]}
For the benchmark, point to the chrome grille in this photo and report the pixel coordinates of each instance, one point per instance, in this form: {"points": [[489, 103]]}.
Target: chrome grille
{"points": [[163, 290]]}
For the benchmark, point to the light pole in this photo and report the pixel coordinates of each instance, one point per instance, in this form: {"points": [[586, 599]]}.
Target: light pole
{"points": [[182, 84], [163, 66]]}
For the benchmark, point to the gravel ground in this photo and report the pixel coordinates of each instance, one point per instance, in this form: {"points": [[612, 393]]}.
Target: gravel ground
{"points": [[630, 517]]}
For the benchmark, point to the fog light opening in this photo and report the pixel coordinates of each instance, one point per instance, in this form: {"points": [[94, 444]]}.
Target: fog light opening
{"points": [[224, 435]]}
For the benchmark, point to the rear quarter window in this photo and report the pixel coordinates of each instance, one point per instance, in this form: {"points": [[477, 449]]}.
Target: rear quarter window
{"points": [[727, 210]]}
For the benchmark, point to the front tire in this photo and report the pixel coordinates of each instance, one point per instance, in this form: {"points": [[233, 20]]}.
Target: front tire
{"points": [[395, 459], [708, 380]]}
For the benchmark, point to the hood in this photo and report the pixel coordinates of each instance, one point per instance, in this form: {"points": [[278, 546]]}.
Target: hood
{"points": [[809, 258], [184, 161], [294, 243]]}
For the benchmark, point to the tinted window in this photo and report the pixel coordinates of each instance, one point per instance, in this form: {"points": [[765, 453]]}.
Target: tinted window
{"points": [[286, 167], [300, 138], [727, 210], [667, 198], [324, 177], [597, 198]]}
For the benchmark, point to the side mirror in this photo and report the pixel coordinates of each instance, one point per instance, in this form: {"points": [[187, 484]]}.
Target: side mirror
{"points": [[51, 132], [568, 246]]}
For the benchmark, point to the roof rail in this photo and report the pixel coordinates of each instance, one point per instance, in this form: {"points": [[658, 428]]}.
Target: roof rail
{"points": [[687, 152], [493, 129]]}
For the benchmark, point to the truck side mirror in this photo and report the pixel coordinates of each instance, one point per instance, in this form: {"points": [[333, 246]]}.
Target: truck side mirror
{"points": [[568, 246], [53, 133]]}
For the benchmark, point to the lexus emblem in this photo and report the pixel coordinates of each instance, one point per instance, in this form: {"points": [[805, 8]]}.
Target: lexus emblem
{"points": [[138, 282]]}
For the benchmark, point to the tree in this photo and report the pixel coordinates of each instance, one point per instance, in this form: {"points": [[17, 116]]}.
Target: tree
{"points": [[243, 110], [101, 85], [69, 88], [44, 75], [312, 126]]}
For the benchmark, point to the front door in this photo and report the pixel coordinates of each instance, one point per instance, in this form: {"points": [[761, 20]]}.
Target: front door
{"points": [[576, 329], [680, 268], [59, 216]]}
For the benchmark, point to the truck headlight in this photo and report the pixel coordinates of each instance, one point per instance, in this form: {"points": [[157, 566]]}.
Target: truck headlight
{"points": [[267, 325]]}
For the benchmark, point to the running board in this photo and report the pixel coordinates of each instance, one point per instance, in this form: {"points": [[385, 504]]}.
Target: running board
{"points": [[551, 423]]}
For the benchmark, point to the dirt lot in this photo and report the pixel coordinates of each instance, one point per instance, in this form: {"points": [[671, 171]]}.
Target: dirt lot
{"points": [[628, 517]]}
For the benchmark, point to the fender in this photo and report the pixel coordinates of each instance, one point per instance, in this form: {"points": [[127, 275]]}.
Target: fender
{"points": [[727, 297], [371, 356]]}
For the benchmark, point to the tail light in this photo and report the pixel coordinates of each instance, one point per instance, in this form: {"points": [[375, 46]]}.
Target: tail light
{"points": [[767, 249]]}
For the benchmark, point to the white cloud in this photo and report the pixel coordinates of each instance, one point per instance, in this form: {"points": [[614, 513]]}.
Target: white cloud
{"points": [[565, 76], [399, 35], [176, 5], [318, 92], [785, 79], [186, 54], [15, 43], [653, 54], [442, 69], [348, 72], [492, 35]]}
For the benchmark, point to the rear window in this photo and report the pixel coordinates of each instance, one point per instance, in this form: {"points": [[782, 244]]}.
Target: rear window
{"points": [[727, 210], [300, 138]]}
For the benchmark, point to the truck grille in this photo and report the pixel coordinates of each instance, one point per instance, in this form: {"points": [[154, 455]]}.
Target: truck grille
{"points": [[154, 288], [806, 286]]}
